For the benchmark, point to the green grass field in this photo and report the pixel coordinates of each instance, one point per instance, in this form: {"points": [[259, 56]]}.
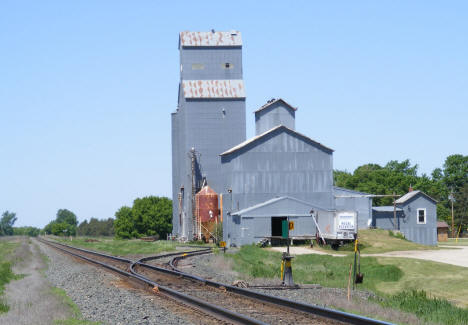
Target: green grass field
{"points": [[325, 270], [6, 274], [121, 247], [437, 279], [376, 241], [394, 279]]}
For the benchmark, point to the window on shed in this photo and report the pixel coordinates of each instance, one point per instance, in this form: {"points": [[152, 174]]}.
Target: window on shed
{"points": [[198, 66], [421, 216]]}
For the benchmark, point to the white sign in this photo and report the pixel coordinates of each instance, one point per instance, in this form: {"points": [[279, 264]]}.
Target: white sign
{"points": [[346, 222]]}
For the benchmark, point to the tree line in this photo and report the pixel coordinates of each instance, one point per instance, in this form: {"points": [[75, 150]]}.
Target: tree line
{"points": [[444, 183], [148, 216]]}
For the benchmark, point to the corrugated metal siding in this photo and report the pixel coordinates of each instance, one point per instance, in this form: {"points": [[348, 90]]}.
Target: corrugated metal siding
{"points": [[213, 61], [280, 165], [213, 88], [386, 220], [425, 234], [175, 172], [363, 205], [272, 116], [420, 233], [231, 38], [211, 126]]}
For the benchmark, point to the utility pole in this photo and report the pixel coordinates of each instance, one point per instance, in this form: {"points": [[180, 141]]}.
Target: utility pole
{"points": [[452, 198], [394, 211]]}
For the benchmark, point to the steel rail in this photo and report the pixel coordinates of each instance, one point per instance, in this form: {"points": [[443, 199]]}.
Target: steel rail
{"points": [[307, 308], [198, 303]]}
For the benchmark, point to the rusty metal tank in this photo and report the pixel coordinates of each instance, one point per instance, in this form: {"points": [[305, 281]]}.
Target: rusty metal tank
{"points": [[206, 200], [207, 211]]}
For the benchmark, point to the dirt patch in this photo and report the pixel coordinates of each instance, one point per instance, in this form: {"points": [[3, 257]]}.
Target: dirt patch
{"points": [[456, 256], [89, 240], [30, 298]]}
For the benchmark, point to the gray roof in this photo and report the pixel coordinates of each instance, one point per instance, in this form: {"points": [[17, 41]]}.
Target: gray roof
{"points": [[273, 101], [276, 199], [350, 191], [411, 195], [284, 128], [387, 208]]}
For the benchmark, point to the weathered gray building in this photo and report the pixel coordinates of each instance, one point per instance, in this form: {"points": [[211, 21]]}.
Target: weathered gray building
{"points": [[210, 117], [416, 217], [350, 200], [279, 173]]}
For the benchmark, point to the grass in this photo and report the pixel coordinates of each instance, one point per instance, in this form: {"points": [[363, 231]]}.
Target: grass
{"points": [[77, 318], [6, 274], [397, 280], [453, 242], [440, 280], [326, 270], [121, 247], [377, 241], [426, 308]]}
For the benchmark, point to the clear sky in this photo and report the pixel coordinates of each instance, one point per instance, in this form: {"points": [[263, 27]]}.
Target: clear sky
{"points": [[87, 88]]}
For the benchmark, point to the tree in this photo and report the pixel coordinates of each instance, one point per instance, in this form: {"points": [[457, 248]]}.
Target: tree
{"points": [[26, 231], [6, 223], [149, 216], [64, 215], [124, 225], [64, 224], [152, 215], [461, 206], [96, 227]]}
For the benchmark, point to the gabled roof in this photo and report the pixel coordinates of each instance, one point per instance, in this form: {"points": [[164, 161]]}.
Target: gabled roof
{"points": [[231, 38], [411, 195], [442, 224], [275, 200], [276, 128], [273, 101]]}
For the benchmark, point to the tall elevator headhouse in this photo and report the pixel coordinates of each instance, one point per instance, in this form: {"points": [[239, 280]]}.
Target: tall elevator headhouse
{"points": [[210, 118]]}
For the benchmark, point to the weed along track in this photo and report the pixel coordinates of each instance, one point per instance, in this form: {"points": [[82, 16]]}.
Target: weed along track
{"points": [[211, 301]]}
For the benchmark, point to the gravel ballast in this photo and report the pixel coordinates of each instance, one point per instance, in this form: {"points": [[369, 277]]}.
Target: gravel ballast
{"points": [[98, 295]]}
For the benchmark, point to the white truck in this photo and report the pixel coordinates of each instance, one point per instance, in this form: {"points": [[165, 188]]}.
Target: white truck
{"points": [[338, 227]]}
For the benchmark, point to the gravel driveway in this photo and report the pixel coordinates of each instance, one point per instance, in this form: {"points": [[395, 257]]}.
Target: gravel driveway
{"points": [[456, 255]]}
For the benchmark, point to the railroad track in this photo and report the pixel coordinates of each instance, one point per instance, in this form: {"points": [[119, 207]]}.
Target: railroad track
{"points": [[221, 302]]}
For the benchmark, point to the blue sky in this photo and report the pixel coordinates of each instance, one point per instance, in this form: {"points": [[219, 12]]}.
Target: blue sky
{"points": [[87, 88]]}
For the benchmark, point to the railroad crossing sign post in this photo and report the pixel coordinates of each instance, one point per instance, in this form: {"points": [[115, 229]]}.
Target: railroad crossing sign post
{"points": [[286, 268], [223, 245]]}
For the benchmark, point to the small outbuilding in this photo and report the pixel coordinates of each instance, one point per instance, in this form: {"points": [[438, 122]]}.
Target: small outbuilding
{"points": [[416, 217], [442, 231]]}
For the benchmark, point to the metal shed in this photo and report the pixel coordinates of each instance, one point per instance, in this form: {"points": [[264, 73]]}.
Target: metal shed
{"points": [[416, 217], [250, 225]]}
